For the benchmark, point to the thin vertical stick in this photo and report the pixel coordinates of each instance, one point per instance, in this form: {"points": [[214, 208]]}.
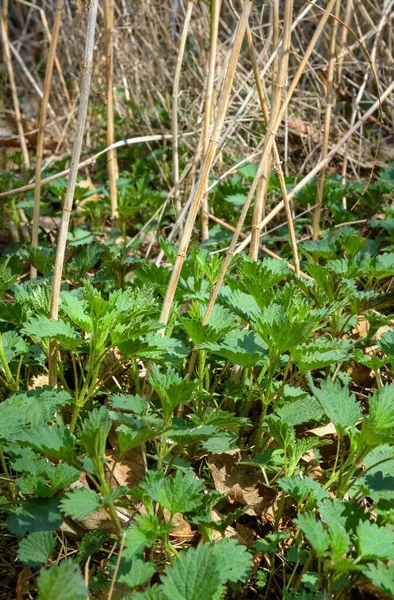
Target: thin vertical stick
{"points": [[15, 100], [72, 179], [267, 149], [343, 39], [175, 97], [215, 15], [112, 161], [206, 165], [330, 102], [275, 108], [41, 128]]}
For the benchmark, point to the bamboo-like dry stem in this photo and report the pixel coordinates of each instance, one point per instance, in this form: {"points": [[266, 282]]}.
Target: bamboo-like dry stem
{"points": [[68, 201], [268, 144], [206, 166], [330, 102], [41, 128], [11, 77], [175, 98], [112, 161], [260, 171], [214, 28]]}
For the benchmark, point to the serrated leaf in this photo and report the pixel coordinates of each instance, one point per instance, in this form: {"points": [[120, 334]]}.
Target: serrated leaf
{"points": [[381, 575], [374, 541], [76, 310], [340, 406], [321, 353], [80, 503], [332, 512], [155, 592], [243, 348], [171, 389], [314, 532], [179, 494], [299, 488], [42, 328], [128, 402], [37, 514], [144, 534], [139, 433], [94, 433], [183, 435], [193, 576], [135, 572], [13, 345], [62, 582], [234, 560], [378, 425], [220, 418], [36, 548], [304, 410], [7, 278], [91, 543], [221, 442], [55, 442], [35, 407]]}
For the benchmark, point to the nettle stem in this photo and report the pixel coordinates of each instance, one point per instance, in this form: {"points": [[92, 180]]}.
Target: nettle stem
{"points": [[72, 179], [41, 128]]}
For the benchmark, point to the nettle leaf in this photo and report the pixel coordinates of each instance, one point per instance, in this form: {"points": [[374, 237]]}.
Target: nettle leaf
{"points": [[171, 389], [221, 442], [380, 488], [314, 532], [305, 410], [194, 575], [381, 575], [283, 434], [321, 353], [332, 512], [279, 332], [156, 347], [179, 494], [155, 592], [243, 348], [47, 479], [135, 572], [43, 328], [94, 433], [62, 582], [181, 433], [130, 437], [378, 425], [128, 402], [144, 534], [14, 345], [383, 265], [299, 489], [36, 514], [240, 303], [35, 407], [386, 343], [234, 560], [55, 442], [259, 278], [220, 322], [374, 541], [220, 418], [36, 548], [80, 503], [340, 406], [7, 278], [76, 310], [91, 543]]}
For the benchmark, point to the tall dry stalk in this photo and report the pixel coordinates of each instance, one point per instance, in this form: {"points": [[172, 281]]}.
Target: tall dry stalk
{"points": [[201, 185], [11, 78], [262, 165], [41, 128], [175, 98], [213, 41], [330, 102], [275, 108], [72, 179], [112, 160]]}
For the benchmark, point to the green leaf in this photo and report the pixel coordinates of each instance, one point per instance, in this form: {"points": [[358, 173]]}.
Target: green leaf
{"points": [[91, 543], [130, 437], [80, 503], [243, 348], [94, 433], [305, 410], [135, 404], [299, 489], [135, 572], [55, 442], [381, 575], [374, 541], [35, 407], [36, 548], [386, 343], [314, 532], [340, 406], [378, 425], [171, 389], [42, 328], [7, 279], [194, 575], [221, 442], [220, 322], [37, 514], [14, 345], [155, 592], [321, 353], [62, 582], [234, 560], [76, 310], [332, 512], [144, 534], [179, 494]]}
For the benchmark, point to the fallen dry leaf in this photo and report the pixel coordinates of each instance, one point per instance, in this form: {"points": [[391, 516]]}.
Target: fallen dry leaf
{"points": [[130, 470], [39, 381], [242, 483], [328, 429], [182, 529]]}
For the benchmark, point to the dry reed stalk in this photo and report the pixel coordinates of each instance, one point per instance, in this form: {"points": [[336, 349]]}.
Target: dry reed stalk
{"points": [[343, 39], [11, 78], [68, 201], [270, 135], [266, 151], [313, 172], [175, 97], [41, 128], [213, 41], [206, 165], [330, 103], [112, 161], [277, 161]]}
